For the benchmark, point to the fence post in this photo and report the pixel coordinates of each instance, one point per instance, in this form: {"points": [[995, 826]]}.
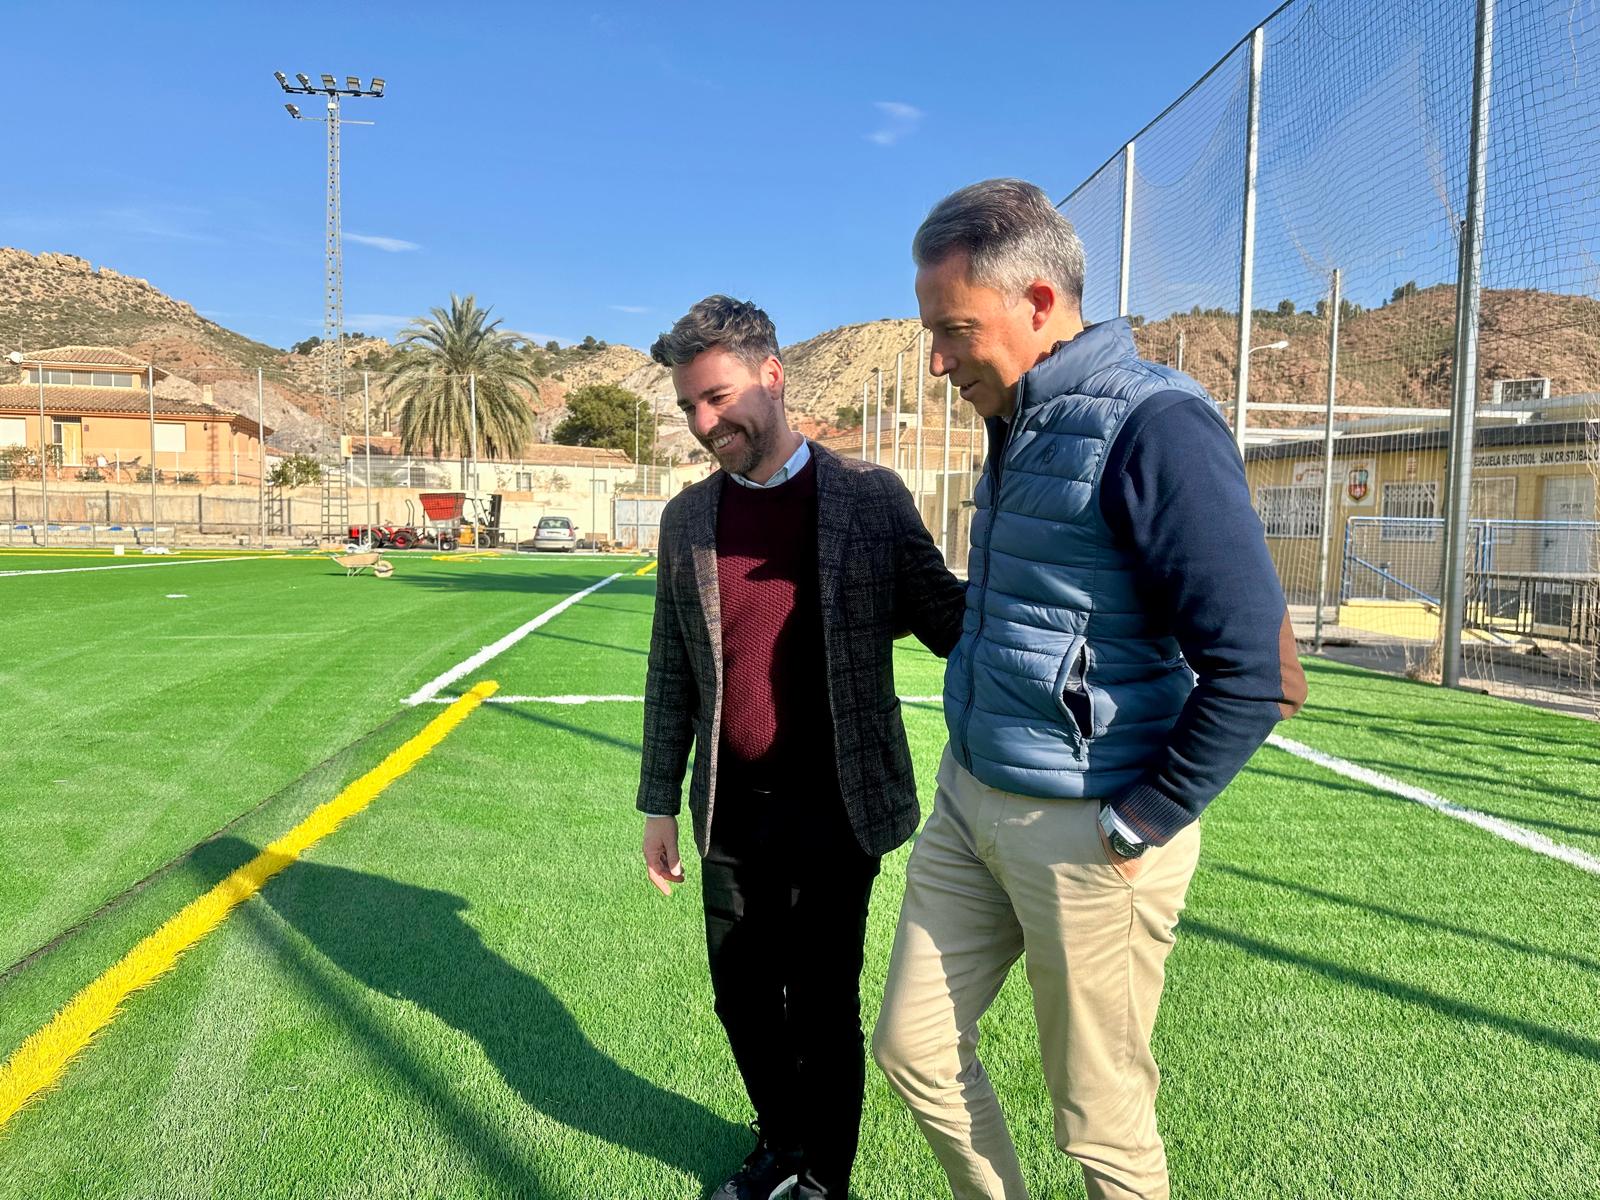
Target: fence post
{"points": [[200, 512], [865, 404], [261, 457], [150, 384], [366, 428], [1247, 241], [944, 517], [1125, 273], [44, 464], [1457, 519], [877, 428], [1325, 546], [921, 371], [899, 387]]}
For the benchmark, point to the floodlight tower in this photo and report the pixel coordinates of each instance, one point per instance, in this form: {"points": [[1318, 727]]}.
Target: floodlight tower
{"points": [[333, 247]]}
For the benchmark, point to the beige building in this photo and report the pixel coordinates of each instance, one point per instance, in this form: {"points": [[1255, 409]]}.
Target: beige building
{"points": [[603, 492], [97, 423], [1534, 554]]}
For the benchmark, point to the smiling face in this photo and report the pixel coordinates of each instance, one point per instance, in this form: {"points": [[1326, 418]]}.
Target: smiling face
{"points": [[736, 411], [984, 340]]}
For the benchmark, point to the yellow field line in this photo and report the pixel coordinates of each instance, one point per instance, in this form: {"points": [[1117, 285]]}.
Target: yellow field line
{"points": [[647, 568], [41, 1060]]}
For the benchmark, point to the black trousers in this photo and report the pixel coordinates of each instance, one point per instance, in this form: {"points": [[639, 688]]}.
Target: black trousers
{"points": [[786, 887]]}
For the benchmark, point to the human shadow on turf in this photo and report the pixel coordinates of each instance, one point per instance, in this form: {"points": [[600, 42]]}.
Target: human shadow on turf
{"points": [[1416, 920], [526, 582], [526, 713], [1563, 1040], [412, 943]]}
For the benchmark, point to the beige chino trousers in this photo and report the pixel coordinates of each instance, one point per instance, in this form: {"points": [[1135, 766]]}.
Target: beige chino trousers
{"points": [[996, 876]]}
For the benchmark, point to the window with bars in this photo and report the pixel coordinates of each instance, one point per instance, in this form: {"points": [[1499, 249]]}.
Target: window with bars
{"points": [[1410, 512], [1290, 512]]}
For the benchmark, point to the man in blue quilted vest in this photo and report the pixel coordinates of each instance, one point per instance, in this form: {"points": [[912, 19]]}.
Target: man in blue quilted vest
{"points": [[1126, 649]]}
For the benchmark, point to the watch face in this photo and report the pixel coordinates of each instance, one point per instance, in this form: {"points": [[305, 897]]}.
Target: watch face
{"points": [[1125, 848]]}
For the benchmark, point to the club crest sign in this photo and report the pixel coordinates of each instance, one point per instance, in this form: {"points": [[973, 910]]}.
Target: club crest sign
{"points": [[1354, 476], [1358, 484]]}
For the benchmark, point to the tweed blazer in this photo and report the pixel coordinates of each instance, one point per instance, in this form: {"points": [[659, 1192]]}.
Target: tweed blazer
{"points": [[880, 576]]}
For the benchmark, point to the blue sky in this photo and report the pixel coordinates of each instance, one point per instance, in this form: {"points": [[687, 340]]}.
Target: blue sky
{"points": [[586, 168]]}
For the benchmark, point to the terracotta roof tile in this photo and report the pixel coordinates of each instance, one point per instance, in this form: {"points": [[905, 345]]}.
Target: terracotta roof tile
{"points": [[101, 356], [24, 399]]}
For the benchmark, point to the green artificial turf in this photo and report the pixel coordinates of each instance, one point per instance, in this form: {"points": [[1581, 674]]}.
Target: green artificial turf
{"points": [[469, 990]]}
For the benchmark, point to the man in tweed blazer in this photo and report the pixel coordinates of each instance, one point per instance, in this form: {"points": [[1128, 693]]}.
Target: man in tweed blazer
{"points": [[783, 581]]}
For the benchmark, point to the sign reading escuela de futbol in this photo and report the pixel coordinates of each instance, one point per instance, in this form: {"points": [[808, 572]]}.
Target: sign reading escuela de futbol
{"points": [[1538, 456]]}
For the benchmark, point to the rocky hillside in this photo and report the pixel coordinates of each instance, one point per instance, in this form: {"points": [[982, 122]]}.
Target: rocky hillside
{"points": [[60, 300], [1397, 354]]}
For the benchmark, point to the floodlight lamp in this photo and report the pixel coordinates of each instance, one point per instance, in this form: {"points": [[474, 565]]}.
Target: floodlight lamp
{"points": [[328, 81], [15, 356], [283, 80], [294, 111], [352, 84], [305, 80], [377, 86]]}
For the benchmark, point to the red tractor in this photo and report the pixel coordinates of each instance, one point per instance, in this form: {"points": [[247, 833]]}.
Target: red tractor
{"points": [[383, 537]]}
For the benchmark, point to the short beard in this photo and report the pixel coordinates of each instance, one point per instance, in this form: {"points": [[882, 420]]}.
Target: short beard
{"points": [[758, 443]]}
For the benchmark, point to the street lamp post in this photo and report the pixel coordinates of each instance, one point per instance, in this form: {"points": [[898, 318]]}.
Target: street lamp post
{"points": [[333, 246], [637, 405], [1238, 400]]}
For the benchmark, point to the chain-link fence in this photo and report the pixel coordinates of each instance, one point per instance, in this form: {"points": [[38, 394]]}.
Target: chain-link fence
{"points": [[1402, 203], [913, 423]]}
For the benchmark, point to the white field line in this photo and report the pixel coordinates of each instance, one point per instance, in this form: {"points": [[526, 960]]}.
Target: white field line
{"points": [[183, 562], [1510, 831], [607, 699], [433, 687], [547, 699]]}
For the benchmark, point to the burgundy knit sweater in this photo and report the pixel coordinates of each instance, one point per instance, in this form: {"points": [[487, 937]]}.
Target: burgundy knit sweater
{"points": [[777, 730]]}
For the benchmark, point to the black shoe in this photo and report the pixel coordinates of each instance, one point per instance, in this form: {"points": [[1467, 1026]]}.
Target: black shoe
{"points": [[767, 1174]]}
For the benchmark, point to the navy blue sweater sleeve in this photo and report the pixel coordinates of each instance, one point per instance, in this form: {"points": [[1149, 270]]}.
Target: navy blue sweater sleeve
{"points": [[1175, 491]]}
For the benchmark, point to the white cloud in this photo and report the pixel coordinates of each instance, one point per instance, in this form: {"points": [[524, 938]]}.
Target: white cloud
{"points": [[635, 309], [898, 121], [392, 245]]}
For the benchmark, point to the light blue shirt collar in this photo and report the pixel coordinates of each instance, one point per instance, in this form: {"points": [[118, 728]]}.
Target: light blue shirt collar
{"points": [[783, 474]]}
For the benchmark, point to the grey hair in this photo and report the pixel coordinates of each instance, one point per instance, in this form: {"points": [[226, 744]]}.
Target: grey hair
{"points": [[718, 322], [1011, 234]]}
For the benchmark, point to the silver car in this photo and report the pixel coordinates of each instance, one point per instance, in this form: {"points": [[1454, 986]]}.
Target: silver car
{"points": [[555, 533]]}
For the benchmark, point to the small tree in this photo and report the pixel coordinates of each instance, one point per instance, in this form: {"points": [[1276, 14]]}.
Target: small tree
{"points": [[847, 415], [295, 471], [305, 347], [1404, 291], [553, 346], [606, 416], [588, 345], [1286, 308]]}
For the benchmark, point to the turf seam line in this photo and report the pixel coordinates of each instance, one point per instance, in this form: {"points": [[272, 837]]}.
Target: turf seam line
{"points": [[1520, 835], [133, 889], [39, 1062], [434, 686], [182, 562]]}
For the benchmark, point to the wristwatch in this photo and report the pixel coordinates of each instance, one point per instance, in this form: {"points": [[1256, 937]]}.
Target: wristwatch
{"points": [[1123, 847]]}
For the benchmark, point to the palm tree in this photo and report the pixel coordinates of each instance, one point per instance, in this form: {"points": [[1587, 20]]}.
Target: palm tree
{"points": [[433, 360]]}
